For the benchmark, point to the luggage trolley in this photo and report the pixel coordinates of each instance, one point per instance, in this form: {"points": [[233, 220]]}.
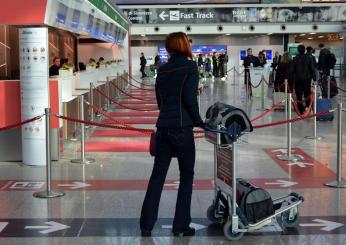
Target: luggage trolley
{"points": [[226, 126]]}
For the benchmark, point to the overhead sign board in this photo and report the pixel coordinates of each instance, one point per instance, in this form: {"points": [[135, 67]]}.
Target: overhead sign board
{"points": [[137, 2], [95, 18], [236, 15]]}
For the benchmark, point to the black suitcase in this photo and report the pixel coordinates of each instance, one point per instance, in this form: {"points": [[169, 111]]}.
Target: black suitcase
{"points": [[333, 87]]}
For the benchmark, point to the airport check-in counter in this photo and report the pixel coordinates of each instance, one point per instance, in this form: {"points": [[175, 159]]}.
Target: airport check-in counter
{"points": [[64, 99]]}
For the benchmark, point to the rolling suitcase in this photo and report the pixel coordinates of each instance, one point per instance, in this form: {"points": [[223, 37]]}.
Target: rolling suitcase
{"points": [[333, 87], [324, 105]]}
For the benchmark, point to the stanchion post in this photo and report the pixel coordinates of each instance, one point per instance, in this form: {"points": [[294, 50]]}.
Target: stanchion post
{"points": [[247, 77], [91, 99], [48, 193], [339, 182], [262, 81], [286, 99], [108, 103], [328, 80], [82, 160], [314, 136], [288, 156]]}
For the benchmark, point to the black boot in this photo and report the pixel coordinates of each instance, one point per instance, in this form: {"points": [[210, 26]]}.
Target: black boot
{"points": [[189, 232]]}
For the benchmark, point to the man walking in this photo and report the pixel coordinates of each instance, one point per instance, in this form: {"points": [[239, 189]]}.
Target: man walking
{"points": [[143, 64], [303, 72]]}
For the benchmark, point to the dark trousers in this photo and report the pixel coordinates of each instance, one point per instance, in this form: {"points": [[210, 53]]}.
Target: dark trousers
{"points": [[222, 69], [142, 70], [215, 70], [171, 142], [303, 88]]}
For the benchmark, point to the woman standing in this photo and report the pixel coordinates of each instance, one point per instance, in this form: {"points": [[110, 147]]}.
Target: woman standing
{"points": [[283, 72], [176, 92]]}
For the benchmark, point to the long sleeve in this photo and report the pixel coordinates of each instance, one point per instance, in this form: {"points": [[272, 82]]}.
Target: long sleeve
{"points": [[158, 98], [189, 97]]}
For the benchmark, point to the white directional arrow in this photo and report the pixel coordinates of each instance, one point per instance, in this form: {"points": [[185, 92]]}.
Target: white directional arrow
{"points": [[283, 151], [50, 227], [76, 185], [300, 164], [193, 225], [282, 183], [174, 184], [163, 15], [300, 156], [327, 225], [3, 225]]}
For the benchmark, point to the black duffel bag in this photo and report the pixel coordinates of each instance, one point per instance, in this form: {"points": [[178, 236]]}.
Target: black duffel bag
{"points": [[255, 203]]}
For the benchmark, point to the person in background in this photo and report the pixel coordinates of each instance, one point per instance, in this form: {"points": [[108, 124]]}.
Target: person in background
{"points": [[310, 53], [100, 62], [323, 61], [276, 60], [303, 72], [226, 62], [215, 65], [92, 62], [221, 60], [249, 61], [54, 69], [176, 92], [207, 63], [275, 63], [284, 67], [157, 61], [143, 63], [200, 63], [261, 59]]}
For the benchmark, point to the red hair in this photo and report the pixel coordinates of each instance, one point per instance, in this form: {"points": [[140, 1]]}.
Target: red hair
{"points": [[178, 43]]}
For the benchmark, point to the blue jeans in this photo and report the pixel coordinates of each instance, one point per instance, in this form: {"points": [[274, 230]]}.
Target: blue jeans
{"points": [[171, 142]]}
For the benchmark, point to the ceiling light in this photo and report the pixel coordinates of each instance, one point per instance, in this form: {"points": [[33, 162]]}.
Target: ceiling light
{"points": [[302, 35], [270, 33], [310, 38], [341, 38], [228, 34], [320, 36], [312, 33], [142, 35]]}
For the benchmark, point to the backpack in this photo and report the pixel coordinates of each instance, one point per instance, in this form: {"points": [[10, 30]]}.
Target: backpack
{"points": [[330, 60], [255, 203]]}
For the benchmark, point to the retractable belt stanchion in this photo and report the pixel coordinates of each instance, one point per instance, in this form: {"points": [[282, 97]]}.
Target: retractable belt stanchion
{"points": [[262, 96], [286, 99], [107, 102], [339, 182], [314, 136], [328, 80], [48, 193], [91, 99], [82, 160], [288, 156]]}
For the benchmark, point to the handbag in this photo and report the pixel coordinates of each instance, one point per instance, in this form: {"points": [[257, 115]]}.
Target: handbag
{"points": [[152, 144]]}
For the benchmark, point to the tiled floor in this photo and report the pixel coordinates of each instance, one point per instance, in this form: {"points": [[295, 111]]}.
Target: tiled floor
{"points": [[105, 207]]}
